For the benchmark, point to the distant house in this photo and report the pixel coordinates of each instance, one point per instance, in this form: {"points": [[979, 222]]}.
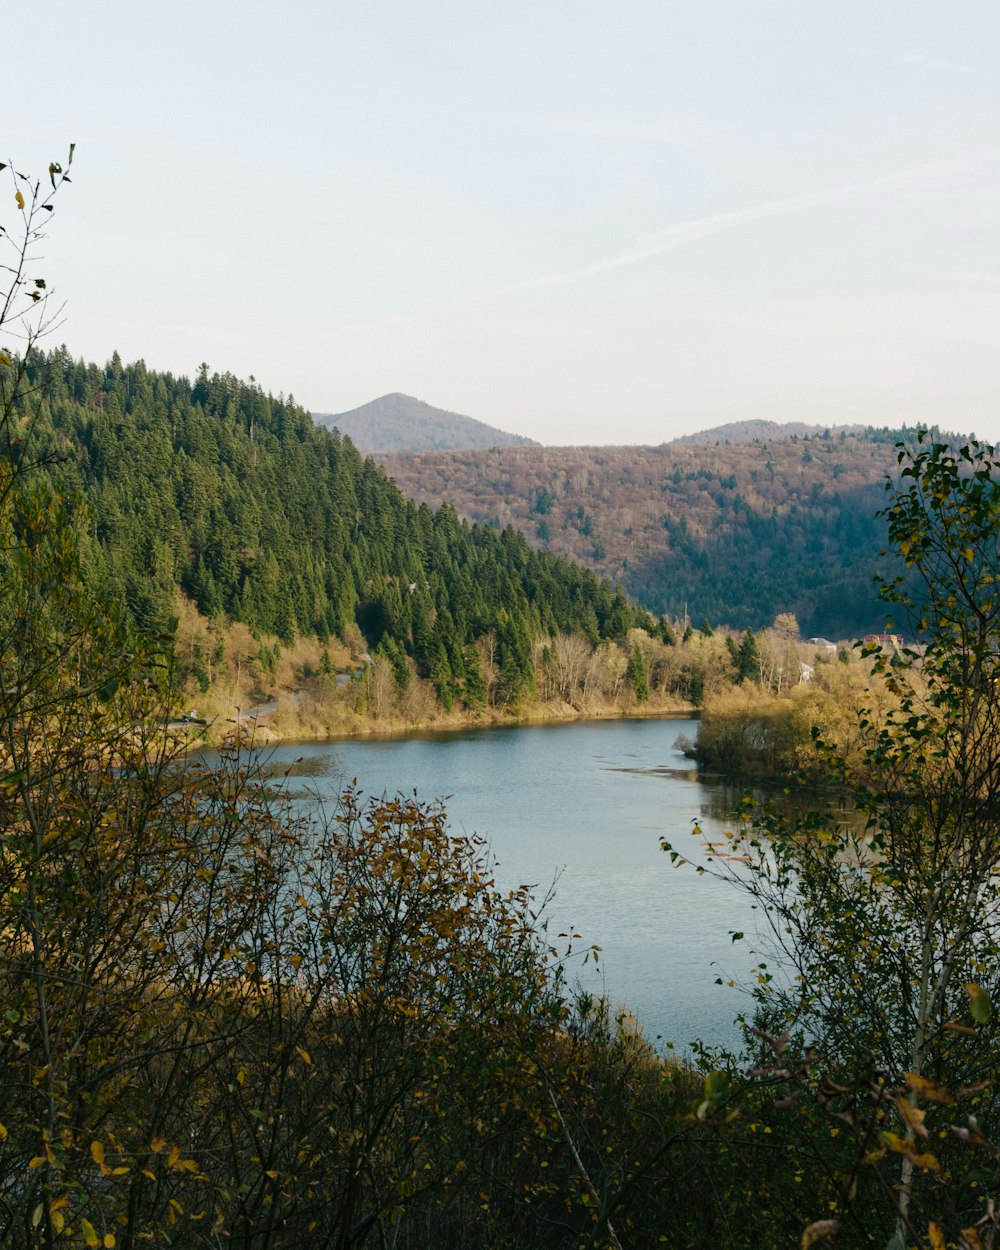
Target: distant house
{"points": [[823, 645]]}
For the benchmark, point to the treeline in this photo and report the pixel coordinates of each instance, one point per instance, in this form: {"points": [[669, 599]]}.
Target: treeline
{"points": [[322, 691], [234, 498]]}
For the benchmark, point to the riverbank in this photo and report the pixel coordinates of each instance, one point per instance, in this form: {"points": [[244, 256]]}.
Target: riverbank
{"points": [[297, 717], [247, 685]]}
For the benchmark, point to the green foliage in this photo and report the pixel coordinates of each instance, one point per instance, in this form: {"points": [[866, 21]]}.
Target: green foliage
{"points": [[747, 659], [752, 563], [234, 498], [637, 674], [666, 633]]}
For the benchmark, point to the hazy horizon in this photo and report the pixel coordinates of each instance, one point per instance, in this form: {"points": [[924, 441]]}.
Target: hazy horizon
{"points": [[793, 426]]}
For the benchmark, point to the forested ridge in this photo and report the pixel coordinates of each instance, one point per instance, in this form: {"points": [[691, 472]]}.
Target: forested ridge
{"points": [[735, 532], [233, 497]]}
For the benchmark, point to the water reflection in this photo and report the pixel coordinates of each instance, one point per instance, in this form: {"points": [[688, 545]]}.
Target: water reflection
{"points": [[724, 800]]}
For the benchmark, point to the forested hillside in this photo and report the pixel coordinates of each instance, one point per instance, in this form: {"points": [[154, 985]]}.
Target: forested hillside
{"points": [[235, 498], [732, 532]]}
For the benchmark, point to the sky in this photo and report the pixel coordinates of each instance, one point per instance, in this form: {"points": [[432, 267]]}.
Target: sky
{"points": [[580, 222]]}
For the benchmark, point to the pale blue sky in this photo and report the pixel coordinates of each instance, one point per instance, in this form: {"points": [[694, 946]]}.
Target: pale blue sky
{"points": [[581, 222]]}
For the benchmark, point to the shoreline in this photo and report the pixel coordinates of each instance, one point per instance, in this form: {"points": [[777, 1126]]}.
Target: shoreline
{"points": [[247, 726]]}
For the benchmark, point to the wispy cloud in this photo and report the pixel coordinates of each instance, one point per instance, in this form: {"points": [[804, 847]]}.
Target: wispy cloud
{"points": [[683, 233], [679, 235]]}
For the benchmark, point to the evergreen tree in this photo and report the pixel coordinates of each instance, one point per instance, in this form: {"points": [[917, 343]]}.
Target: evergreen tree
{"points": [[637, 674], [748, 658]]}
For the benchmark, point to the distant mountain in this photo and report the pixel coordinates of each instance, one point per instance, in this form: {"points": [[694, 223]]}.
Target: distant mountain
{"points": [[401, 423], [762, 432]]}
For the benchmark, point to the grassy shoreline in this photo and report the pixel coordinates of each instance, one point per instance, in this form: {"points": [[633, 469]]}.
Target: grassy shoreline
{"points": [[283, 725]]}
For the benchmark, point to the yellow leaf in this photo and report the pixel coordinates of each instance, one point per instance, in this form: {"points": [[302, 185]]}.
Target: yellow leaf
{"points": [[58, 1221], [930, 1090], [272, 1175], [36, 1162], [97, 1153], [909, 1114], [19, 198], [89, 1233], [3, 1133], [936, 1236], [173, 1156], [109, 1241], [304, 1055], [904, 1147], [36, 1215], [819, 1231], [157, 1144]]}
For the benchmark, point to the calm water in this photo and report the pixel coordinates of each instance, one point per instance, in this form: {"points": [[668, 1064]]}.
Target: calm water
{"points": [[583, 806]]}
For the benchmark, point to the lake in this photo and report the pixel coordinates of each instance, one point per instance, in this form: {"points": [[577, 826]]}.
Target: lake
{"points": [[582, 806]]}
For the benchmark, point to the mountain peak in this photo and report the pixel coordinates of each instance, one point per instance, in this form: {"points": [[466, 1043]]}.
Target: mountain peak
{"points": [[398, 422]]}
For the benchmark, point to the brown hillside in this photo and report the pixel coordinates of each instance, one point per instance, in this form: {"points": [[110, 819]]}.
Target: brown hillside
{"points": [[736, 531]]}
